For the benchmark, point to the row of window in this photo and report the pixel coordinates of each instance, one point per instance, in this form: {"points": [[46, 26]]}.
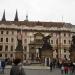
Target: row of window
{"points": [[1, 39], [12, 48], [12, 40], [6, 48], [6, 55], [7, 32], [64, 34], [64, 42], [12, 32]]}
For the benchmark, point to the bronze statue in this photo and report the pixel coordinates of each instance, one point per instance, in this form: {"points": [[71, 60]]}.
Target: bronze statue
{"points": [[19, 45], [46, 43]]}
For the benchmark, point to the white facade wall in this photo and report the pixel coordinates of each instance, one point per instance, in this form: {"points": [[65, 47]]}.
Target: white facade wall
{"points": [[29, 36]]}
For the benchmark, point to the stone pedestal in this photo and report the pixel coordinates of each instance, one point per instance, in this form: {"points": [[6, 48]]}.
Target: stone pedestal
{"points": [[19, 55]]}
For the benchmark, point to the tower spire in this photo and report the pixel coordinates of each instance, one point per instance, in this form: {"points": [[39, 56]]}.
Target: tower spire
{"points": [[16, 16], [3, 18]]}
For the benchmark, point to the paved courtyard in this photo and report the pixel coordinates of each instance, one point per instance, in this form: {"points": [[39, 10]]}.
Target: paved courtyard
{"points": [[34, 71]]}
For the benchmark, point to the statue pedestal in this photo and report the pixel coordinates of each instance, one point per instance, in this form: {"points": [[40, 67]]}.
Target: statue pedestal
{"points": [[19, 55]]}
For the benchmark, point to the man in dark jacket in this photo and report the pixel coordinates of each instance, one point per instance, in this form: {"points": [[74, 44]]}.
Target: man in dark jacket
{"points": [[51, 65], [3, 65], [17, 68]]}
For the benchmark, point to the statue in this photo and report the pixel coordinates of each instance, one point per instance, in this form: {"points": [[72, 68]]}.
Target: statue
{"points": [[46, 43], [19, 45], [19, 48]]}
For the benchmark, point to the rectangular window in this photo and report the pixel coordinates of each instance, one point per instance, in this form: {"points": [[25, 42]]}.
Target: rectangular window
{"points": [[1, 32], [1, 47], [0, 55], [12, 32], [1, 39], [5, 55], [64, 50], [12, 39], [6, 48], [64, 41], [11, 48], [6, 39], [64, 34]]}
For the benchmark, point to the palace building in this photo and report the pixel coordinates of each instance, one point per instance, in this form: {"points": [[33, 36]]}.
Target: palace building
{"points": [[31, 34]]}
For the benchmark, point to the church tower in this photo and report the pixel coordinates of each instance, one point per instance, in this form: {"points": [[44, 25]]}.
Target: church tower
{"points": [[16, 16], [3, 18]]}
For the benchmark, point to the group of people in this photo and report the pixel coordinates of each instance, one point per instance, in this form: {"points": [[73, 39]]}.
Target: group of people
{"points": [[17, 68], [2, 66], [53, 64], [67, 68]]}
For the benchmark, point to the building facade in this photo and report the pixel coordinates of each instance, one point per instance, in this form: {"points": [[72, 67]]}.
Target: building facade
{"points": [[61, 35]]}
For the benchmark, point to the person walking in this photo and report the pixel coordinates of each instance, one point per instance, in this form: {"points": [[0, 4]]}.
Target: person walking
{"points": [[17, 68], [66, 70], [51, 65], [0, 67], [62, 69], [3, 65]]}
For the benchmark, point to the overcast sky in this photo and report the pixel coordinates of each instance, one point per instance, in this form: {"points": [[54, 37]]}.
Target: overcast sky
{"points": [[40, 10]]}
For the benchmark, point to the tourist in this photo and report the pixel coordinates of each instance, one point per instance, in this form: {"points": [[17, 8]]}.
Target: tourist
{"points": [[62, 69], [3, 65], [66, 69], [51, 65], [17, 68], [0, 67]]}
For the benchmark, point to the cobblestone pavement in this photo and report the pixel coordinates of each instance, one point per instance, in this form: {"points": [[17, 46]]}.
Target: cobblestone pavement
{"points": [[36, 72]]}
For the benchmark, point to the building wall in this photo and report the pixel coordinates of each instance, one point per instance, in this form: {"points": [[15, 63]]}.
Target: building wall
{"points": [[63, 35], [11, 41]]}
